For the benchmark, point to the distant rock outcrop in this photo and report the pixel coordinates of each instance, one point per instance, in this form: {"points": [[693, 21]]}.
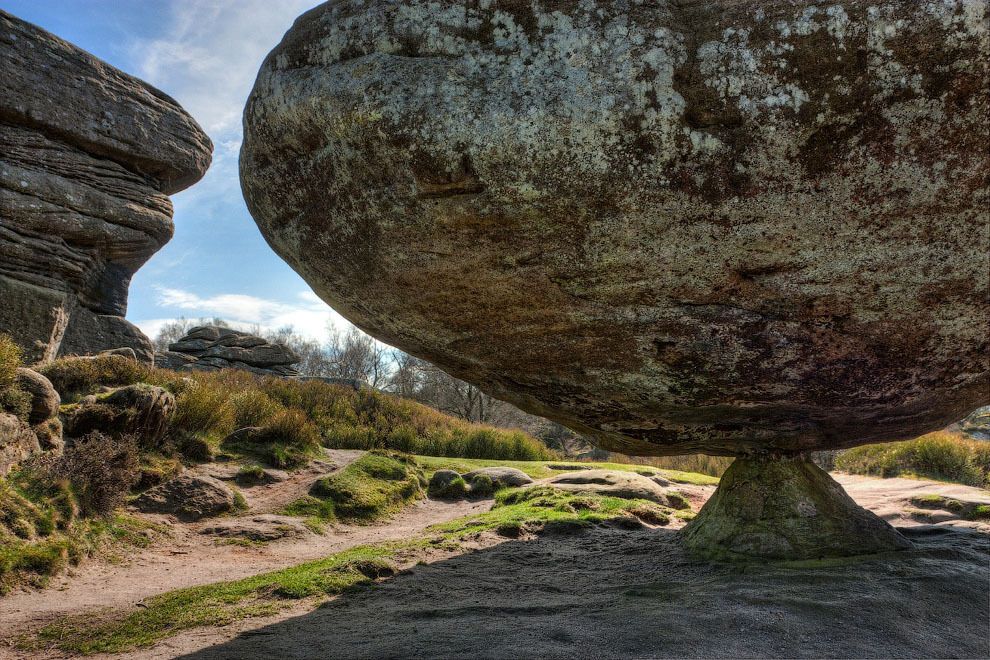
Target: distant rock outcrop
{"points": [[211, 348], [88, 155]]}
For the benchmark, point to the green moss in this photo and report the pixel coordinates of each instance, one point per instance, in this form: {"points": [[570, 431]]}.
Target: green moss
{"points": [[966, 510], [240, 504], [454, 490], [373, 487], [537, 506], [250, 474]]}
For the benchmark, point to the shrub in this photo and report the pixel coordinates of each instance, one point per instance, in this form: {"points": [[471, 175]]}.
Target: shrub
{"points": [[100, 471], [10, 360], [253, 408], [250, 475], [195, 448], [16, 401], [205, 408], [939, 455], [75, 375]]}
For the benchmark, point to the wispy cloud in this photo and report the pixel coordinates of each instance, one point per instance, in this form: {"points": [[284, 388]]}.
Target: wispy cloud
{"points": [[307, 314], [212, 53]]}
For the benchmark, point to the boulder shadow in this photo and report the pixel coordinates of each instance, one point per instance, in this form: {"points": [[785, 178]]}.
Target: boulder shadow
{"points": [[624, 593]]}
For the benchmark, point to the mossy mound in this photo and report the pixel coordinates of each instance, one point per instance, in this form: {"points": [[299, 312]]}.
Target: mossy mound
{"points": [[785, 509], [372, 487]]}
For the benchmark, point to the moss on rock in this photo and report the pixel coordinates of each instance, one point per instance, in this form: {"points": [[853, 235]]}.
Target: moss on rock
{"points": [[785, 509]]}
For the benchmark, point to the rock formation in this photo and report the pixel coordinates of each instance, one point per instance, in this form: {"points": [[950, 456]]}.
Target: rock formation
{"points": [[719, 227], [785, 509], [87, 157], [724, 227], [29, 420], [211, 348]]}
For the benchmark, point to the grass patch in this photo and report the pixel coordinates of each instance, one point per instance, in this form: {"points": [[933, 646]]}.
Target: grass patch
{"points": [[537, 506], [371, 488], [942, 455], [225, 602], [540, 469], [74, 376]]}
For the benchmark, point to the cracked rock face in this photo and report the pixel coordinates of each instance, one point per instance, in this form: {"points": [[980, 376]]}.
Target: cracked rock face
{"points": [[725, 227], [88, 155]]}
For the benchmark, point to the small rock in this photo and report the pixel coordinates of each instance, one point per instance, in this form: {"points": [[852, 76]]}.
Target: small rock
{"points": [[188, 497], [502, 477], [447, 484], [266, 527]]}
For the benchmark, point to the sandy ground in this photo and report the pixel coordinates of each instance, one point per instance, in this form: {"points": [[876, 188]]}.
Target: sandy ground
{"points": [[191, 558], [602, 593]]}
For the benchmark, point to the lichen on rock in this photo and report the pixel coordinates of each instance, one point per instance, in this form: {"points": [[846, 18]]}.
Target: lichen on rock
{"points": [[726, 227]]}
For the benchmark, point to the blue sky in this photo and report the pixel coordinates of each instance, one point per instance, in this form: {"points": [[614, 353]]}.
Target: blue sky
{"points": [[205, 54]]}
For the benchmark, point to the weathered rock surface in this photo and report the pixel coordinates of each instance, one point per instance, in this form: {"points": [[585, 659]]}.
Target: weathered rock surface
{"points": [[44, 399], [261, 528], [142, 410], [672, 226], [211, 348], [17, 442], [975, 425], [87, 157], [189, 497], [615, 483], [785, 509], [501, 477]]}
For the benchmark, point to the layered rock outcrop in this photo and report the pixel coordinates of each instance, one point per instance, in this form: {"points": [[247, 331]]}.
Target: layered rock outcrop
{"points": [[720, 227], [88, 155], [211, 348]]}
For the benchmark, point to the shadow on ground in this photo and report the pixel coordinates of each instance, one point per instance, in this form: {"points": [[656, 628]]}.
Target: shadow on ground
{"points": [[617, 593]]}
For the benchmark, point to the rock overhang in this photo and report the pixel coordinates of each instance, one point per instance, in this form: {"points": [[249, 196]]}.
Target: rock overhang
{"points": [[722, 227]]}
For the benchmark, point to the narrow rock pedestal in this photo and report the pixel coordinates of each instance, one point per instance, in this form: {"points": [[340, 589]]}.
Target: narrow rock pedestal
{"points": [[771, 508]]}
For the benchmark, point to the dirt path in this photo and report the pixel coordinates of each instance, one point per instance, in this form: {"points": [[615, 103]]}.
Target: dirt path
{"points": [[190, 557]]}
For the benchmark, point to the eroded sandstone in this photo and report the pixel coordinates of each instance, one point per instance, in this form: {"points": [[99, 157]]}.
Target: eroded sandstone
{"points": [[88, 155]]}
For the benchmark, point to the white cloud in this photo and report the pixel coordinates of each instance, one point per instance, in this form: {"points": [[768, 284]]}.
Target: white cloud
{"points": [[211, 54], [310, 316]]}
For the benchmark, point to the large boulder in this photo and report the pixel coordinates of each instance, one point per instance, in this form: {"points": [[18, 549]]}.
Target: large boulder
{"points": [[44, 399], [211, 348], [142, 410], [675, 227], [188, 497], [87, 157]]}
